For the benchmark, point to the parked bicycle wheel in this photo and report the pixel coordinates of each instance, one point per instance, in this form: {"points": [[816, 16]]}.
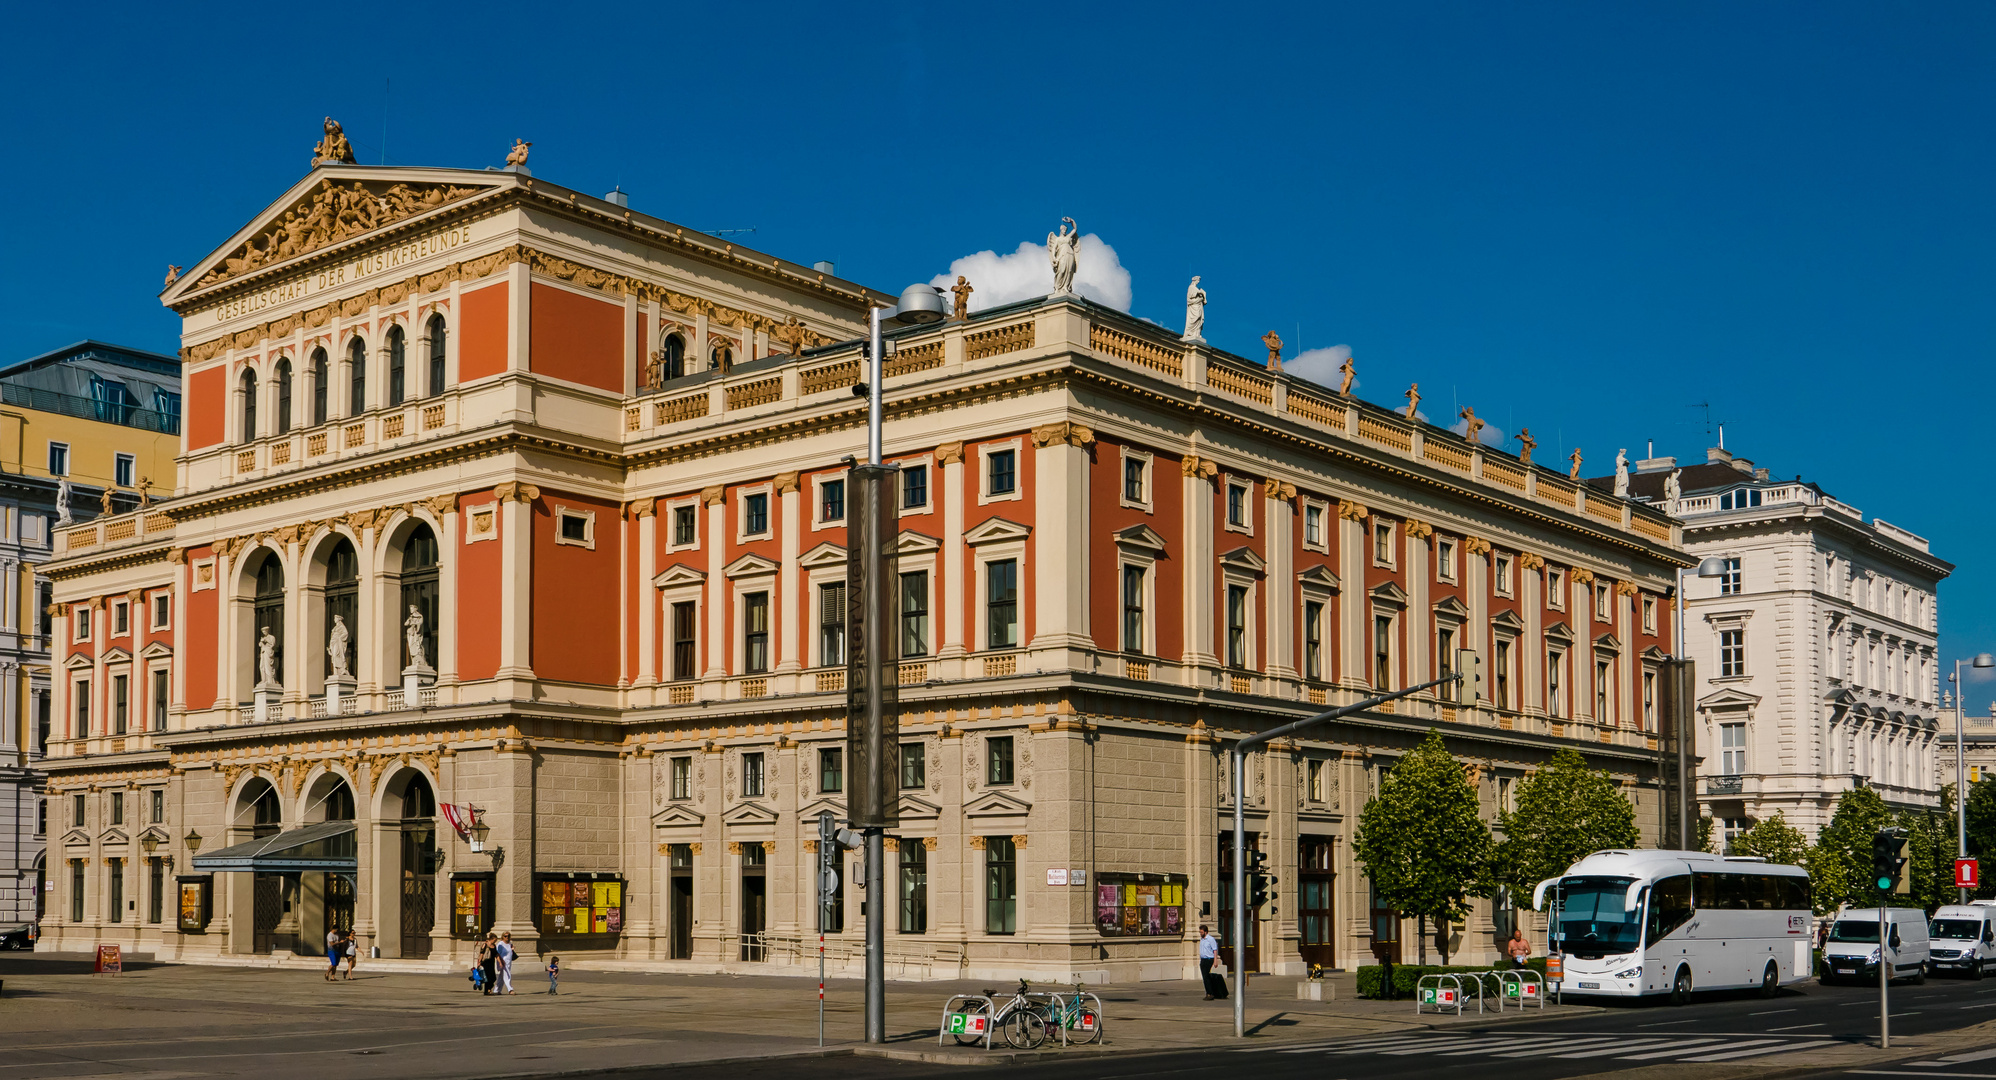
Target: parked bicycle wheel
{"points": [[1025, 1030], [972, 1008], [1087, 1026]]}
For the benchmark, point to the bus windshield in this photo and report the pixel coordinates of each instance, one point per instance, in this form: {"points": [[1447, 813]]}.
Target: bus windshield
{"points": [[1956, 929], [1856, 931], [1592, 918]]}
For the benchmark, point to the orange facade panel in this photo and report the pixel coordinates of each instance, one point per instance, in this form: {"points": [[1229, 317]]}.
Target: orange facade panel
{"points": [[207, 405], [479, 590], [578, 338], [481, 349], [575, 590], [203, 636]]}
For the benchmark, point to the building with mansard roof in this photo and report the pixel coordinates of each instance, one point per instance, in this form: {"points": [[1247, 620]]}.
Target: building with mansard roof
{"points": [[499, 503]]}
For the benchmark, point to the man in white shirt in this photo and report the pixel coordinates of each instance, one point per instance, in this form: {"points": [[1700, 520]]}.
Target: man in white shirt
{"points": [[1209, 951]]}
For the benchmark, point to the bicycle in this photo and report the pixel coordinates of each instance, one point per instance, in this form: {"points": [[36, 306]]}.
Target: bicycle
{"points": [[1019, 1019], [1070, 1014]]}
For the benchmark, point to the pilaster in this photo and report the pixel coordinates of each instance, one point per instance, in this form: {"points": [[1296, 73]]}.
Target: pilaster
{"points": [[516, 574], [1201, 649], [645, 510], [1060, 555]]}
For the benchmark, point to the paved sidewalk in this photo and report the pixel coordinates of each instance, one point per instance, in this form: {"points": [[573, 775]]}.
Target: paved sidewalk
{"points": [[170, 1021]]}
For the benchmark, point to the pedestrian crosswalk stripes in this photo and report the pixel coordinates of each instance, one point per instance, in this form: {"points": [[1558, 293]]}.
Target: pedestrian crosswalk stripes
{"points": [[1648, 1047]]}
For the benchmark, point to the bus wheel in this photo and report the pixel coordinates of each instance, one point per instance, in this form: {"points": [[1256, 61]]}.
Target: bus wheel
{"points": [[1770, 981], [1680, 991]]}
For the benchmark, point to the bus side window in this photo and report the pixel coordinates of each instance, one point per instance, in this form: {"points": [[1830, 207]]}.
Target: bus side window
{"points": [[1669, 906], [1795, 894], [1708, 891]]}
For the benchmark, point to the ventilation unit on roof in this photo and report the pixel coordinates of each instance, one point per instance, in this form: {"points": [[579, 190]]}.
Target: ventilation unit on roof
{"points": [[618, 196], [825, 266]]}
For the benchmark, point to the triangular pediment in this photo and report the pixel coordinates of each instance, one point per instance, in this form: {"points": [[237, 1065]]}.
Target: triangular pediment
{"points": [[679, 575], [677, 814], [914, 543], [1141, 536], [993, 530], [1654, 653], [826, 554], [1508, 620], [1388, 592], [117, 655], [115, 837], [326, 210], [916, 808], [1451, 607], [158, 650], [76, 837], [1609, 642], [749, 813], [751, 565], [1728, 698], [1559, 632], [809, 812], [79, 662], [155, 833], [1244, 558], [1321, 576], [997, 803]]}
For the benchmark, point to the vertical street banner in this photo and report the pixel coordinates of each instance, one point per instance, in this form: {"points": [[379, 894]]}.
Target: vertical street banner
{"points": [[873, 745]]}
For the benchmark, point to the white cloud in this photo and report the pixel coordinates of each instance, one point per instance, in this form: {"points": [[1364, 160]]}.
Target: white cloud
{"points": [[1026, 273], [1491, 435], [1320, 366]]}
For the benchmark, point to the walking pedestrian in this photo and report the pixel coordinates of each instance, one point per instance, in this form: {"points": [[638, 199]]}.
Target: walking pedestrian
{"points": [[352, 949], [332, 953], [554, 973], [506, 955], [1209, 951], [488, 959], [1518, 948]]}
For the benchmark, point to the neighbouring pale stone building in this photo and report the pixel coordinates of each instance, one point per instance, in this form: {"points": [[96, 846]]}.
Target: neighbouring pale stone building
{"points": [[1817, 652], [561, 485]]}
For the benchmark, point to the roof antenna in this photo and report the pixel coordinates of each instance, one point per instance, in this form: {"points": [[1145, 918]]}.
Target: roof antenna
{"points": [[386, 95], [1722, 434], [1652, 448]]}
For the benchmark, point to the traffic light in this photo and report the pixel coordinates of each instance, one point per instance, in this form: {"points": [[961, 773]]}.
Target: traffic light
{"points": [[1469, 663], [1260, 883], [1888, 859]]}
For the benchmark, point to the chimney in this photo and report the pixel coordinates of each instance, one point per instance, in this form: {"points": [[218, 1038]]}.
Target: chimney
{"points": [[618, 197], [825, 267], [1760, 474], [1717, 453]]}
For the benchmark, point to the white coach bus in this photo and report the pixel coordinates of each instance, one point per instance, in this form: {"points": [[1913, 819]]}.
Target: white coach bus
{"points": [[1635, 923]]}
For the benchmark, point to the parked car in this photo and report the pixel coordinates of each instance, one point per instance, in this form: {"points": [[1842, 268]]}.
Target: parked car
{"points": [[19, 937], [1852, 950], [1964, 939]]}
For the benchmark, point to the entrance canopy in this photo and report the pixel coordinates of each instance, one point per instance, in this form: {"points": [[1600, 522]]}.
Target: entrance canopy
{"points": [[327, 846]]}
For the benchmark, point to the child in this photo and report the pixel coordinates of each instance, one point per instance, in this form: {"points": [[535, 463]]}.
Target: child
{"points": [[554, 973]]}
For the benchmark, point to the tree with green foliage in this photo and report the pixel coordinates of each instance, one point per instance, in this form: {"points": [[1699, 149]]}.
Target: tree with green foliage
{"points": [[1841, 866], [1565, 812], [1930, 851], [1705, 833], [1422, 841], [1775, 840], [1982, 827]]}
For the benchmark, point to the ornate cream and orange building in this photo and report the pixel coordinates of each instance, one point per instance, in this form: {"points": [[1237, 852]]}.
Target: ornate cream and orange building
{"points": [[557, 485]]}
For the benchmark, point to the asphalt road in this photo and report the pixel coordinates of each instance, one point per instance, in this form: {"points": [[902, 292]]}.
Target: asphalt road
{"points": [[1714, 1030]]}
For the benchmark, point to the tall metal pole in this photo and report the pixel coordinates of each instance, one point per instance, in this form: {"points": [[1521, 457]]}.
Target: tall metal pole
{"points": [[1960, 780], [876, 635], [1884, 977], [873, 380], [1239, 965], [1679, 700]]}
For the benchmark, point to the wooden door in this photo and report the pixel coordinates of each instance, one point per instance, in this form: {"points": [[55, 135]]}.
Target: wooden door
{"points": [[682, 916], [269, 905], [1226, 908], [1316, 901], [1385, 933]]}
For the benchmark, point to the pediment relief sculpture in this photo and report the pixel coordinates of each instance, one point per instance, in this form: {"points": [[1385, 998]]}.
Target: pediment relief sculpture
{"points": [[333, 213]]}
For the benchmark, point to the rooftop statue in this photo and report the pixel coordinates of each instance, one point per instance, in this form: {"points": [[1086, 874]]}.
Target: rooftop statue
{"points": [[1524, 437], [1472, 425], [334, 149], [1063, 250], [1350, 374], [1622, 473], [1195, 311], [518, 154], [1413, 400], [961, 290], [1274, 343]]}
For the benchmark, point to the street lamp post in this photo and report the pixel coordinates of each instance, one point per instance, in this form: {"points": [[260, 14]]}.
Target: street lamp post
{"points": [[1982, 660], [871, 708], [1709, 567]]}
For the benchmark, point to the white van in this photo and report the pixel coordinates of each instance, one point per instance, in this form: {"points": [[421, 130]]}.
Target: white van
{"points": [[1964, 939], [1851, 953]]}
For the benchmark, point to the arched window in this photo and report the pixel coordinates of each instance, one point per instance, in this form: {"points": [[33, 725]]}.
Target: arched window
{"points": [[321, 382], [675, 357], [357, 377], [338, 803], [397, 365], [343, 597], [249, 404], [437, 338], [419, 591], [266, 816], [418, 802], [269, 614], [283, 395]]}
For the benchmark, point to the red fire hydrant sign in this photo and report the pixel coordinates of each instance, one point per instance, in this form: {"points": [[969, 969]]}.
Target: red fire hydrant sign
{"points": [[1965, 874]]}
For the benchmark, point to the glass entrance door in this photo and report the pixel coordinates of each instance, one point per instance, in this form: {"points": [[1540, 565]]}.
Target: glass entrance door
{"points": [[1316, 907], [1226, 908]]}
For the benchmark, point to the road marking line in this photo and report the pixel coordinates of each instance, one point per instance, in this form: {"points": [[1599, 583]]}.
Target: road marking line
{"points": [[1450, 1044], [1797, 1027], [1902, 1072], [1669, 1023], [1771, 1012], [1681, 1048], [1608, 1051], [1962, 1059], [1570, 1046], [1742, 1053], [1511, 1044]]}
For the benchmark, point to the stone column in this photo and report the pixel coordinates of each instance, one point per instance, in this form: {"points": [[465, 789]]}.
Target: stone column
{"points": [[1354, 637], [645, 510], [1580, 659], [1418, 632], [1528, 578], [225, 608], [512, 819], [297, 632], [516, 573], [1198, 560], [714, 501], [1060, 554], [445, 507]]}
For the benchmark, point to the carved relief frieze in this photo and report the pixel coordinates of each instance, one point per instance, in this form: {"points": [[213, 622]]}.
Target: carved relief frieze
{"points": [[333, 213]]}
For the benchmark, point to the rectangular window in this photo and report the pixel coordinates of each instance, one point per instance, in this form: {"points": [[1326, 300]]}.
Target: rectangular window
{"points": [[1133, 609], [914, 891], [1649, 614], [82, 709], [78, 807], [914, 487], [574, 528], [120, 703], [1501, 677], [1313, 526], [1604, 709], [76, 890], [1133, 479], [683, 533], [1382, 652], [159, 699], [1001, 885], [1732, 749], [1001, 604], [162, 610], [1602, 605], [1732, 653], [1729, 582], [1649, 701], [755, 514], [1555, 588], [832, 500], [158, 806], [1318, 785], [755, 633], [121, 619], [915, 613], [1237, 496], [1555, 663], [832, 624], [156, 889], [1237, 624], [117, 808], [751, 776], [1445, 559], [58, 459], [1503, 575], [124, 470], [1445, 658], [683, 625], [82, 622], [1001, 471], [831, 770], [1313, 639], [914, 766], [1382, 544], [682, 778], [998, 769], [42, 817], [117, 873]]}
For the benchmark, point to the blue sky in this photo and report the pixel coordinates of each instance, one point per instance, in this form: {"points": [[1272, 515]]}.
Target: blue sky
{"points": [[1582, 218]]}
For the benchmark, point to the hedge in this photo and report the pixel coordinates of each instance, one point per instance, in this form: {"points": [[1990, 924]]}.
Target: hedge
{"points": [[1408, 976]]}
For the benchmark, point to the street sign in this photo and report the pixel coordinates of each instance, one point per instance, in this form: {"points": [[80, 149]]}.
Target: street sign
{"points": [[1966, 875], [1433, 995], [828, 885], [967, 1023], [1057, 875]]}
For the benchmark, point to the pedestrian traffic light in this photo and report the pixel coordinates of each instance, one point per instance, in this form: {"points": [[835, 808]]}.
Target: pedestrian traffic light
{"points": [[1260, 883], [1888, 859]]}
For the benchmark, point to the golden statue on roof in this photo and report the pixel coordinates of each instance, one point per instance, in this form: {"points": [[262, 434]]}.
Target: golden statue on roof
{"points": [[334, 149]]}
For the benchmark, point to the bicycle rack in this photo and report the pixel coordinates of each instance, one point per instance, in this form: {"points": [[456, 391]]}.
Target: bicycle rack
{"points": [[1523, 986], [1075, 998], [1483, 991], [1441, 991], [984, 1020]]}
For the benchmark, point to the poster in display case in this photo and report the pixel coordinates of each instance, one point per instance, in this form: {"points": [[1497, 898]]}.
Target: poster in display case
{"points": [[581, 907], [1140, 905]]}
